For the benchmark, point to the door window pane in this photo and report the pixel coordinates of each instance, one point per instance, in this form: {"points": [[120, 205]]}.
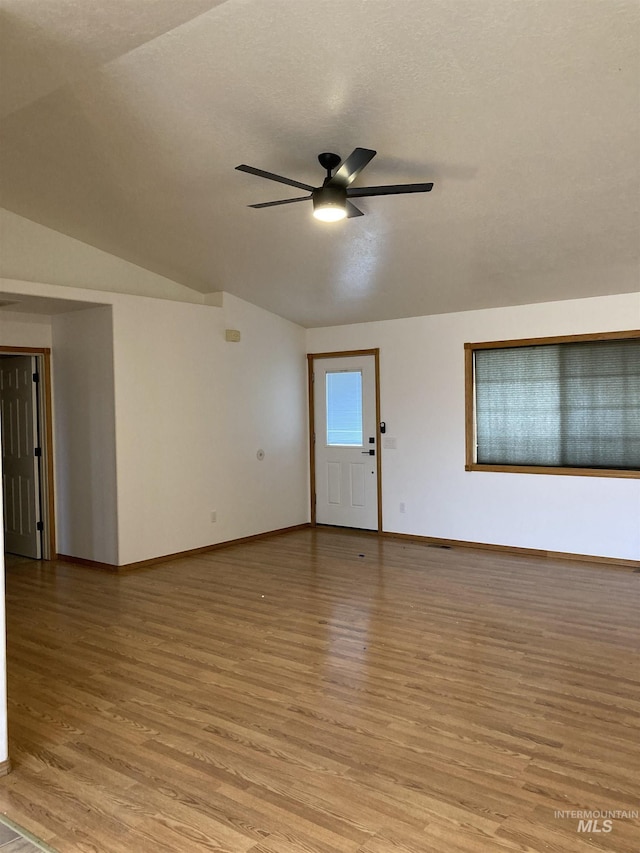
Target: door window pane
{"points": [[344, 408]]}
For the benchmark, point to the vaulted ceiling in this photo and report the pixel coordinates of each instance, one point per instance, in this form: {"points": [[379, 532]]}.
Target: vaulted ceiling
{"points": [[122, 121]]}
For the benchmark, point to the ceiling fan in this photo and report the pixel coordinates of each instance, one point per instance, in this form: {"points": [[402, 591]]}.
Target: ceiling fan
{"points": [[331, 201]]}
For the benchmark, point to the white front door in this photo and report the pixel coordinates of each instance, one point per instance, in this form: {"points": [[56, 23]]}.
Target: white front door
{"points": [[20, 465], [345, 430]]}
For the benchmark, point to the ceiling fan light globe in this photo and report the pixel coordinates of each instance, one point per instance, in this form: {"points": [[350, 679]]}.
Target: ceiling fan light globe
{"points": [[329, 203], [329, 213]]}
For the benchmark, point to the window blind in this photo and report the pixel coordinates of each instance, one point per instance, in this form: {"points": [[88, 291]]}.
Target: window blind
{"points": [[567, 405], [344, 408]]}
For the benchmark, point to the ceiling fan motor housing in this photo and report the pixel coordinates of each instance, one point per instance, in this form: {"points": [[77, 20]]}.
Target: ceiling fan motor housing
{"points": [[329, 197]]}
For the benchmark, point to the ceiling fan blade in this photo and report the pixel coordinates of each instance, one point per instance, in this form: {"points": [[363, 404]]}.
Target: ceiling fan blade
{"points": [[352, 211], [393, 189], [351, 167], [271, 177], [282, 201]]}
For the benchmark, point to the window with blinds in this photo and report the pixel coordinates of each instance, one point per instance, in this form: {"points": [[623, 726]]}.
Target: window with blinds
{"points": [[571, 404], [344, 408]]}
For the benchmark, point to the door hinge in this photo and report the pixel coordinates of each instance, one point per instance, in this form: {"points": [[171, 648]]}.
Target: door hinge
{"points": [[40, 525], [37, 451], [36, 377]]}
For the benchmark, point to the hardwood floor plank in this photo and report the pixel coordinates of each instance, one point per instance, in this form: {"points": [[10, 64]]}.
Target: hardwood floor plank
{"points": [[543, 831], [289, 695]]}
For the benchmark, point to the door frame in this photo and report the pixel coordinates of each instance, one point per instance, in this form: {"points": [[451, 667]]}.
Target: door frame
{"points": [[47, 502], [311, 357]]}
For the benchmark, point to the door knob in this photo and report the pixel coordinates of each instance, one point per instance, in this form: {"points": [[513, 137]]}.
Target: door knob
{"points": [[369, 452]]}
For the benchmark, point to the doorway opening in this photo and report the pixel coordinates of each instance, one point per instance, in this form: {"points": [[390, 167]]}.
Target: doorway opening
{"points": [[344, 439], [27, 452]]}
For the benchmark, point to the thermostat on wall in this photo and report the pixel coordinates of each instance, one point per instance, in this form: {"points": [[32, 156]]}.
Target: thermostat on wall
{"points": [[232, 335]]}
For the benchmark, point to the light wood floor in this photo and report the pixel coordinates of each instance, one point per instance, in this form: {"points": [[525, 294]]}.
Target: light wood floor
{"points": [[324, 692]]}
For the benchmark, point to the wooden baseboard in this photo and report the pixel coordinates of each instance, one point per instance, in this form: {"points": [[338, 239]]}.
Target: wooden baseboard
{"points": [[5, 767], [193, 552], [515, 550], [428, 540], [89, 564]]}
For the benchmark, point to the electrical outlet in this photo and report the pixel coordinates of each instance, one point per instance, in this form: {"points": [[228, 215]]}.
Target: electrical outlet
{"points": [[403, 506], [214, 517]]}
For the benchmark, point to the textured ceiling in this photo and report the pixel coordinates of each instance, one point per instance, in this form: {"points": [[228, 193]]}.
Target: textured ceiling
{"points": [[122, 121]]}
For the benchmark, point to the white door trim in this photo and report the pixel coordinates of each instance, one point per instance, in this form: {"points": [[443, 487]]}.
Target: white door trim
{"points": [[311, 357]]}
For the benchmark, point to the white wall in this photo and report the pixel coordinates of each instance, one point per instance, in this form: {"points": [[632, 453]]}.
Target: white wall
{"points": [[422, 402], [84, 435], [182, 412], [191, 411], [4, 738], [266, 393], [169, 426], [25, 330]]}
